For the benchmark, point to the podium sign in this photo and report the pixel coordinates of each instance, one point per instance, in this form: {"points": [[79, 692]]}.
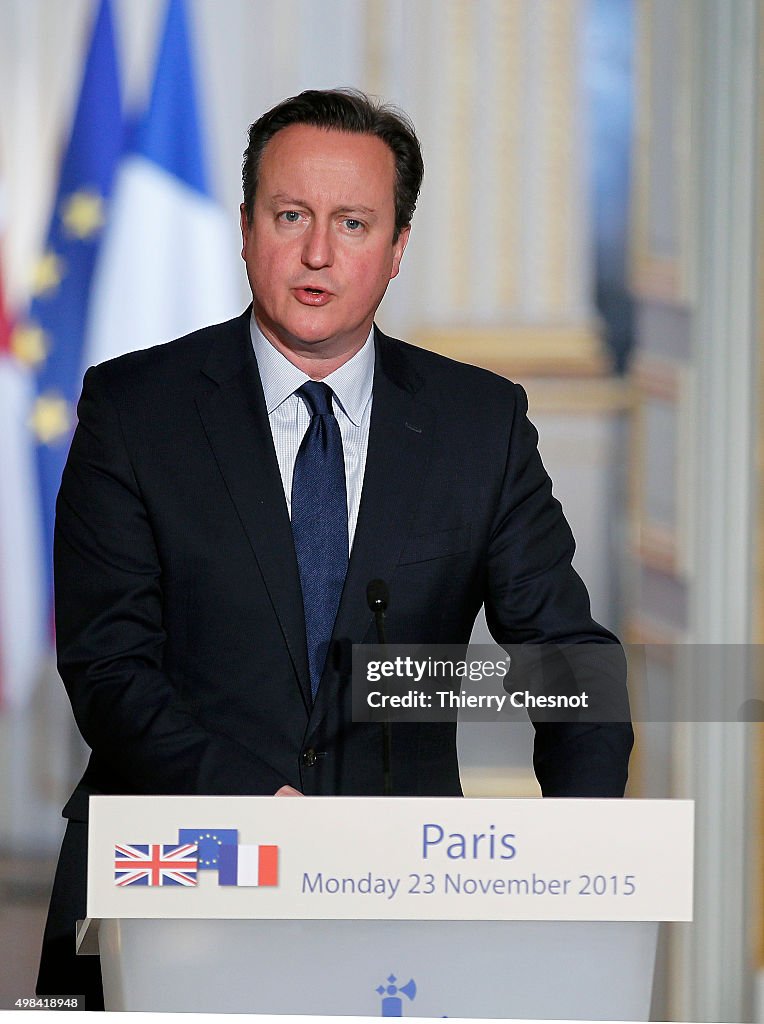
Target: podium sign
{"points": [[319, 858], [391, 907]]}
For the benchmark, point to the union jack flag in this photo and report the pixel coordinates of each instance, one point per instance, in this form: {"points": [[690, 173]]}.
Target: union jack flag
{"points": [[155, 864]]}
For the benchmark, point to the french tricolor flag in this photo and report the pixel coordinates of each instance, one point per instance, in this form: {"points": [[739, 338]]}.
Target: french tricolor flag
{"points": [[169, 260], [248, 865]]}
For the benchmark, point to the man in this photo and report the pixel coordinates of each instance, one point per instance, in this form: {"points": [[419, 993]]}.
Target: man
{"points": [[229, 496]]}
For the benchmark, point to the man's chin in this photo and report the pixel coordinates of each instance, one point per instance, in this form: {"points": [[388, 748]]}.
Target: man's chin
{"points": [[316, 340]]}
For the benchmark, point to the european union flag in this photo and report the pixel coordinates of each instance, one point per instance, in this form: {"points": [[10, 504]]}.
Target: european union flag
{"points": [[209, 842], [51, 339]]}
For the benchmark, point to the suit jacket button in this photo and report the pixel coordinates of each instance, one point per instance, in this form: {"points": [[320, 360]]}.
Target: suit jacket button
{"points": [[309, 758]]}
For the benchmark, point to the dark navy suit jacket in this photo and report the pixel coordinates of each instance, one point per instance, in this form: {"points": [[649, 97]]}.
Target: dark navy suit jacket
{"points": [[179, 615]]}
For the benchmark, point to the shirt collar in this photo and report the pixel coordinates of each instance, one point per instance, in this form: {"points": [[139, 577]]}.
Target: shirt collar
{"points": [[351, 383]]}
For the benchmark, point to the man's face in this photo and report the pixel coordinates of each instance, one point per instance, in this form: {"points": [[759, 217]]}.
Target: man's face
{"points": [[320, 250]]}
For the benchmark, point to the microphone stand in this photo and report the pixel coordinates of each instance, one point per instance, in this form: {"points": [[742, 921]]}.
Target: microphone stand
{"points": [[377, 597]]}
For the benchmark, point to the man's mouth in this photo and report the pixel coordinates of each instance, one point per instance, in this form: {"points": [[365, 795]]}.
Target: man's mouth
{"points": [[309, 295]]}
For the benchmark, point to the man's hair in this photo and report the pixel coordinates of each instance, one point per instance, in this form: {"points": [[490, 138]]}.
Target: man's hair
{"points": [[344, 110]]}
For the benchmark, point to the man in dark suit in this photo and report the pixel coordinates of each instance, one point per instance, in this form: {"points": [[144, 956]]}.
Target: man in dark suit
{"points": [[228, 497]]}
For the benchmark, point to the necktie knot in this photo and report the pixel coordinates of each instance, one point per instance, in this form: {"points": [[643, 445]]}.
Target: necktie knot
{"points": [[318, 397]]}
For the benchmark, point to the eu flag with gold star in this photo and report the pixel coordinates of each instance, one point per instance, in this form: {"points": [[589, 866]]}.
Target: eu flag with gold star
{"points": [[50, 339], [209, 842]]}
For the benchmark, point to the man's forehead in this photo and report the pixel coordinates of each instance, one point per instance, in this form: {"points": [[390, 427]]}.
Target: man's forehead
{"points": [[301, 160], [307, 142]]}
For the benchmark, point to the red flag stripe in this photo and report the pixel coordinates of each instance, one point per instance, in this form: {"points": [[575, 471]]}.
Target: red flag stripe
{"points": [[268, 866]]}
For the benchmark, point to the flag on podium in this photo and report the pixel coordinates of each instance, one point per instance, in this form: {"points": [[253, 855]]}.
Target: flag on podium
{"points": [[51, 338], [248, 865], [209, 842], [155, 864], [168, 265]]}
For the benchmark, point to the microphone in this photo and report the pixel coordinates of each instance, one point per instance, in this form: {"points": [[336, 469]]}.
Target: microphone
{"points": [[377, 598]]}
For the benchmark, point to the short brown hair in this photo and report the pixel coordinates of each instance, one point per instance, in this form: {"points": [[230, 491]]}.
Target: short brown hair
{"points": [[344, 110]]}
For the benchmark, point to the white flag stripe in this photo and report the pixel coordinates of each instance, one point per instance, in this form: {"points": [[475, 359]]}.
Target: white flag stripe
{"points": [[248, 869]]}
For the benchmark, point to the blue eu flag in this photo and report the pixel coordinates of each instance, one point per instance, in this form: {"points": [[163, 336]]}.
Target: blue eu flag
{"points": [[209, 841], [51, 338]]}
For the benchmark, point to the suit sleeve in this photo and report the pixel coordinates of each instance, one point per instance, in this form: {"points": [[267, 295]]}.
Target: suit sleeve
{"points": [[534, 596], [109, 627]]}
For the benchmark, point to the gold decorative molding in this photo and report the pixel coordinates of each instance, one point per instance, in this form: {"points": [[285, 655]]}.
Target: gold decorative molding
{"points": [[663, 642], [586, 396], [560, 67], [654, 278], [657, 377], [662, 639], [661, 546], [657, 547], [662, 277], [511, 77], [522, 350], [461, 82]]}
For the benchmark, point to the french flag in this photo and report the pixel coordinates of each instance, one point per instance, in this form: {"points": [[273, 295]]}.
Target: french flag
{"points": [[169, 261], [248, 865]]}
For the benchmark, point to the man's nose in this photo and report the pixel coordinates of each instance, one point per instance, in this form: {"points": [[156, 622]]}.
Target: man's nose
{"points": [[317, 249]]}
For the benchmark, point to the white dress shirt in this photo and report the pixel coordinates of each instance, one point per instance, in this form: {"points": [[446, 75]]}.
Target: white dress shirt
{"points": [[289, 417]]}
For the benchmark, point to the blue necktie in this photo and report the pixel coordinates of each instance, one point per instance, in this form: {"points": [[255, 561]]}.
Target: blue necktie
{"points": [[320, 523]]}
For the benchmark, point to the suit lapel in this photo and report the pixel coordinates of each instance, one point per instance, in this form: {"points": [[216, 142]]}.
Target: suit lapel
{"points": [[236, 423], [400, 441]]}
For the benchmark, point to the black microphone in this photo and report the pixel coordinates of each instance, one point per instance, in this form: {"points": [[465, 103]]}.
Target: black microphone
{"points": [[377, 598]]}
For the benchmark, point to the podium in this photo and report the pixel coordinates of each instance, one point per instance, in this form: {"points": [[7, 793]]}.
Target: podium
{"points": [[398, 907]]}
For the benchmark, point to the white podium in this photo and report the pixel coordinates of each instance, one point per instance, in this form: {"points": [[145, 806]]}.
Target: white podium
{"points": [[399, 907]]}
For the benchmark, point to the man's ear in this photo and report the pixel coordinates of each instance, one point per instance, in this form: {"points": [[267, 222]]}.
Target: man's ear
{"points": [[244, 223], [399, 247]]}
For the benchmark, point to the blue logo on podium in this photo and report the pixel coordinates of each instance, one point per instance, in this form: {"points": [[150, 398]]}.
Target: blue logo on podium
{"points": [[392, 1004]]}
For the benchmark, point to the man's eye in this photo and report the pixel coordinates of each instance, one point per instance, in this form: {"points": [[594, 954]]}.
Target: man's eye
{"points": [[290, 216], [352, 224]]}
